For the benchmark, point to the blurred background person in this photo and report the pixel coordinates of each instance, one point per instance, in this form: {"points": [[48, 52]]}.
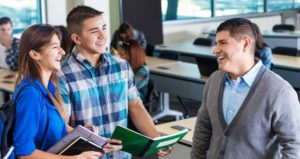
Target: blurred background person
{"points": [[9, 45], [127, 32]]}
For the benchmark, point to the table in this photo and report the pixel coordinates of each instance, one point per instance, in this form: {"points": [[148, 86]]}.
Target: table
{"points": [[8, 80], [7, 83], [288, 67], [183, 148]]}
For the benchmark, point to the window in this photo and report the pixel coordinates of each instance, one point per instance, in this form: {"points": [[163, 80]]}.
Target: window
{"points": [[233, 7], [195, 9], [185, 9], [276, 5], [23, 13]]}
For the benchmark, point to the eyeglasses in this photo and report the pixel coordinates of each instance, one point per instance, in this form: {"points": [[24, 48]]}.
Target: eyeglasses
{"points": [[123, 43]]}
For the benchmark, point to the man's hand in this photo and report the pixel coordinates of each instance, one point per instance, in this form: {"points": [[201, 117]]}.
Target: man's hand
{"points": [[6, 40]]}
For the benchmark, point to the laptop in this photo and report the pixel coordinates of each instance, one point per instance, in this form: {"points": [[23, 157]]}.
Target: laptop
{"points": [[207, 66]]}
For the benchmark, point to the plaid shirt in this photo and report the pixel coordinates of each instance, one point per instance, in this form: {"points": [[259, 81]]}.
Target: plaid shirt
{"points": [[141, 79], [98, 96], [12, 58]]}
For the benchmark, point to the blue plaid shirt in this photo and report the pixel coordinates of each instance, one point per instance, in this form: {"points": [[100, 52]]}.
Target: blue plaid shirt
{"points": [[98, 96], [12, 57]]}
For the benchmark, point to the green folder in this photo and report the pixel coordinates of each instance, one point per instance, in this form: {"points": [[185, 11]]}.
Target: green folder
{"points": [[143, 146]]}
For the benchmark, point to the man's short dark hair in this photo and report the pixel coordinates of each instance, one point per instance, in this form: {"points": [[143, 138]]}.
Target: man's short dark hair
{"points": [[238, 28], [5, 20], [77, 15]]}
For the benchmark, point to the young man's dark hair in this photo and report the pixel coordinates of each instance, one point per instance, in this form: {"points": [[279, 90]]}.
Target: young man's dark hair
{"points": [[78, 15]]}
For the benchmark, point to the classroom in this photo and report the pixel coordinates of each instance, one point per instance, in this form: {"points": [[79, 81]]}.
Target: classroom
{"points": [[188, 78]]}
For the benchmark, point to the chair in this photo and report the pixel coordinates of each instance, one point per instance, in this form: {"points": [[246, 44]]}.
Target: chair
{"points": [[290, 51], [203, 41], [148, 101], [283, 28], [166, 54], [150, 95], [149, 50]]}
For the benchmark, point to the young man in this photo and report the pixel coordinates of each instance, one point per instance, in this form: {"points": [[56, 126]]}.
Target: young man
{"points": [[247, 111], [9, 45], [97, 87]]}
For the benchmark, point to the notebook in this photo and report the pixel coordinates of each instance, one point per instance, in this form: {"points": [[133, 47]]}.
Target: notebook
{"points": [[80, 145]]}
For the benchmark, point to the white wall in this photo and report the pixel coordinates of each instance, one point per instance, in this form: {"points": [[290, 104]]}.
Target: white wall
{"points": [[55, 11], [189, 32]]}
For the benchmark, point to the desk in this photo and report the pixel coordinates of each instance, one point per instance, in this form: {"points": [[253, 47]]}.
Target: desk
{"points": [[288, 67], [274, 39], [7, 85], [188, 49], [183, 148]]}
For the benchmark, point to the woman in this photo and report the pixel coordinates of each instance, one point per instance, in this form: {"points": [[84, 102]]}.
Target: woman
{"points": [[132, 52], [263, 51], [41, 117]]}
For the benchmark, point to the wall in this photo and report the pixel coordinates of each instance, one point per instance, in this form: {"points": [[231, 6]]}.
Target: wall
{"points": [[189, 32]]}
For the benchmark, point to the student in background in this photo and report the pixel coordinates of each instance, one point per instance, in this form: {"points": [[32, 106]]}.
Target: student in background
{"points": [[9, 45], [127, 32], [247, 111], [41, 118], [66, 42], [98, 88], [132, 52], [263, 51]]}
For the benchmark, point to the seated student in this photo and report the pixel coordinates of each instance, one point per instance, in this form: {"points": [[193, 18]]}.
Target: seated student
{"points": [[40, 119], [127, 32], [9, 50], [132, 52], [263, 51]]}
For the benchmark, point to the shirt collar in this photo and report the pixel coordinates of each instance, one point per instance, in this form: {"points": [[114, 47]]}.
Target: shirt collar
{"points": [[249, 77], [83, 60]]}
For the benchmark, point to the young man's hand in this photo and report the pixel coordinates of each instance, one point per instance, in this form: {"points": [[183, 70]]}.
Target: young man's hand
{"points": [[113, 145], [163, 153]]}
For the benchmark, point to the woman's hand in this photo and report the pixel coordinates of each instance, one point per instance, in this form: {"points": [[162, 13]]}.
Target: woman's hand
{"points": [[89, 155], [113, 145]]}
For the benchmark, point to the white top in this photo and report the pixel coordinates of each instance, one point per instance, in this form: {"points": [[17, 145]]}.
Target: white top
{"points": [[3, 64]]}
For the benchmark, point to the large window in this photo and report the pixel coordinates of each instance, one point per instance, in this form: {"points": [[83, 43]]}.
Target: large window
{"points": [[185, 9], [234, 7], [195, 9], [22, 13]]}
